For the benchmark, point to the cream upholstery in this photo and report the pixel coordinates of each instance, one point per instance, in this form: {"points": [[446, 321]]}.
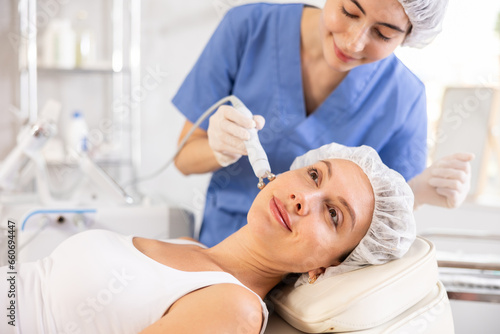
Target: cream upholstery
{"points": [[403, 296]]}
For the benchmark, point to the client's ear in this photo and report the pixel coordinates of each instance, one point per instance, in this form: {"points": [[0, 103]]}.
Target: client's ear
{"points": [[316, 272]]}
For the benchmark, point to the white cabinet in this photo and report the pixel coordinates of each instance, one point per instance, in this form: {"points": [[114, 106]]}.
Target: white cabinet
{"points": [[86, 55]]}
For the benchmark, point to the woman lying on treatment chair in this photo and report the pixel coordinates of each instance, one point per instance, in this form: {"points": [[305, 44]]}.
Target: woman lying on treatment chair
{"points": [[337, 209]]}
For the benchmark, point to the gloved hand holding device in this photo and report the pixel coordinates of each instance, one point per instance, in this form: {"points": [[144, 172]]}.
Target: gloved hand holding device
{"points": [[445, 183], [227, 132]]}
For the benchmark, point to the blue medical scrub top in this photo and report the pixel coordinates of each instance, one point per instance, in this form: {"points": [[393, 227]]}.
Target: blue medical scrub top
{"points": [[255, 54]]}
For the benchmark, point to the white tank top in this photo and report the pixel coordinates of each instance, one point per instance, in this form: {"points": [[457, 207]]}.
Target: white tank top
{"points": [[98, 282]]}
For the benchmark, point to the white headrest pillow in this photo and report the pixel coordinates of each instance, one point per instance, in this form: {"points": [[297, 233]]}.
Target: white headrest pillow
{"points": [[360, 299]]}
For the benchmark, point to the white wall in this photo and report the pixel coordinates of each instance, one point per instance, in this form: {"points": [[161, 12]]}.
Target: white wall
{"points": [[174, 33]]}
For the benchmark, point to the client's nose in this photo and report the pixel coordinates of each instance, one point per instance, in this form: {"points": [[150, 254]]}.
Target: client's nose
{"points": [[300, 203]]}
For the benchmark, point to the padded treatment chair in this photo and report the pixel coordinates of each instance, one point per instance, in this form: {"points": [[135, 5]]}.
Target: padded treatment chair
{"points": [[403, 296]]}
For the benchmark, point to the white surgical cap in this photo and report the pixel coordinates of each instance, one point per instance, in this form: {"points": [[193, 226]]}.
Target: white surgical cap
{"points": [[392, 229], [426, 18]]}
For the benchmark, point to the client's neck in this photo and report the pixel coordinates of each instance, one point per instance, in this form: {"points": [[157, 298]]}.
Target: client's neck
{"points": [[238, 256]]}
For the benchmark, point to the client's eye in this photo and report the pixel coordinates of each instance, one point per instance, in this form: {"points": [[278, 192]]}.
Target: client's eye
{"points": [[313, 173], [334, 215]]}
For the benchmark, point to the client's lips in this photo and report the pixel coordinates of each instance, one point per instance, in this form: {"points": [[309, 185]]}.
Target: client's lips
{"points": [[279, 212]]}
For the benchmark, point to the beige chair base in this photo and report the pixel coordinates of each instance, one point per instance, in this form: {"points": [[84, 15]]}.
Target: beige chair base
{"points": [[431, 315]]}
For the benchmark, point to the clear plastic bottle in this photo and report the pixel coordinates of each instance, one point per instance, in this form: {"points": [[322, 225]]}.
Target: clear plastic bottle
{"points": [[63, 40], [85, 41], [77, 133], [48, 58]]}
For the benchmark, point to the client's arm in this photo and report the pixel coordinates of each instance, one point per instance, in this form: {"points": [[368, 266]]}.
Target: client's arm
{"points": [[221, 308]]}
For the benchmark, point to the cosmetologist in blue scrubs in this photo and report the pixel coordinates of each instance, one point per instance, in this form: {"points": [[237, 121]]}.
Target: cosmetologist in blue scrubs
{"points": [[255, 54]]}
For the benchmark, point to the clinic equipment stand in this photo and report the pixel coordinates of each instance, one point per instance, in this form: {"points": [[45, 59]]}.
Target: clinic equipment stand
{"points": [[467, 279]]}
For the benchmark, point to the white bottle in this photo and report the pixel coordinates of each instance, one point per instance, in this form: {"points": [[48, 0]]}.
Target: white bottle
{"points": [[64, 44], [49, 45], [85, 41], [77, 133]]}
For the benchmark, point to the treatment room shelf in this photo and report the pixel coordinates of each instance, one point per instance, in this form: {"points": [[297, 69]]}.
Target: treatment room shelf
{"points": [[98, 83]]}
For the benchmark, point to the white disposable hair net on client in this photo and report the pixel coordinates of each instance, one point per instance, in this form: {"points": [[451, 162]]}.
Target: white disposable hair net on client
{"points": [[392, 229], [426, 18]]}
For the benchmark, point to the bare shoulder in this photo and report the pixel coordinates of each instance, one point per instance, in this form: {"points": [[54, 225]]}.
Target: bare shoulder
{"points": [[240, 299], [220, 308]]}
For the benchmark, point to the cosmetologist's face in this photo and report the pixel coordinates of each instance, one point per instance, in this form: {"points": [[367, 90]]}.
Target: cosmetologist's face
{"points": [[314, 216], [357, 32]]}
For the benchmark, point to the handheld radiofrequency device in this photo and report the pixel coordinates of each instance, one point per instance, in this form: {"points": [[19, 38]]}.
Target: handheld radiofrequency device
{"points": [[256, 154]]}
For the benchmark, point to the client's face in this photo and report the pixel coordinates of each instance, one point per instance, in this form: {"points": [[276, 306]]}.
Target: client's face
{"points": [[314, 216]]}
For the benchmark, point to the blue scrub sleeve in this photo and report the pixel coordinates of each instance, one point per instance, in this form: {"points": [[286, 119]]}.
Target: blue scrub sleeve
{"points": [[213, 75], [407, 152]]}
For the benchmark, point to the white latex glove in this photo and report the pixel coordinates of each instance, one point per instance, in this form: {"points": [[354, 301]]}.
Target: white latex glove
{"points": [[445, 183], [227, 131]]}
